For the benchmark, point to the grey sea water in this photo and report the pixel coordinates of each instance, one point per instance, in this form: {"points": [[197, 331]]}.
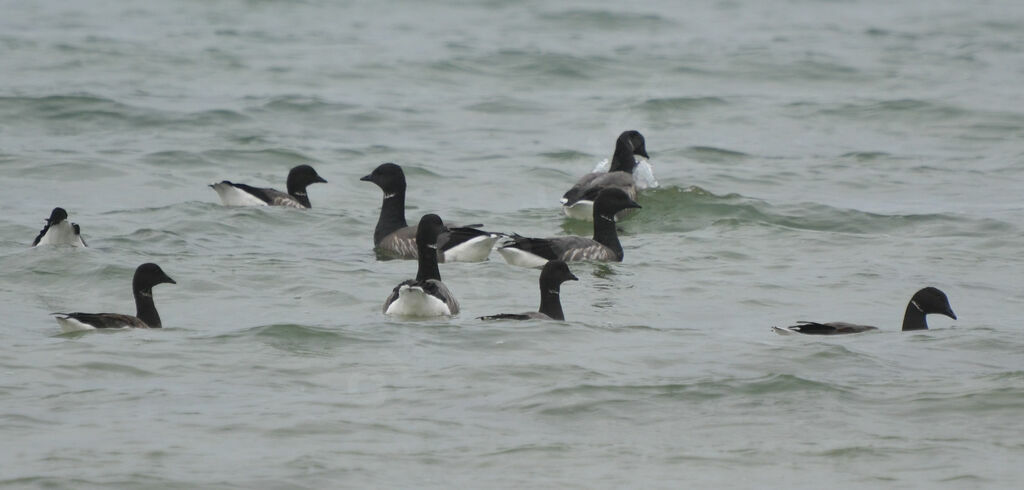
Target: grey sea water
{"points": [[818, 160]]}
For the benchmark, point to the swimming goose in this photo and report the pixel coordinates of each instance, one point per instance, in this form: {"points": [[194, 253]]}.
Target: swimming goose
{"points": [[146, 276], [925, 301], [426, 295], [578, 201], [554, 273], [299, 178], [605, 246], [59, 231], [393, 237]]}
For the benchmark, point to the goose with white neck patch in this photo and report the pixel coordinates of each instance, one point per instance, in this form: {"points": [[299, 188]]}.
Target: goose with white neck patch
{"points": [[426, 295], [146, 276], [578, 202], [394, 238], [300, 177], [924, 302], [554, 273], [604, 246]]}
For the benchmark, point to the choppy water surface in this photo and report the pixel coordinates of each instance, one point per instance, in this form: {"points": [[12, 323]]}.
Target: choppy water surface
{"points": [[818, 160]]}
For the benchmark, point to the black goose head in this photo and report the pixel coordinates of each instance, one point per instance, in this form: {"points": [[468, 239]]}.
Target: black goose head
{"points": [[148, 275], [932, 300], [610, 201], [56, 216], [629, 144], [428, 231], [301, 176], [388, 176], [556, 272], [636, 142]]}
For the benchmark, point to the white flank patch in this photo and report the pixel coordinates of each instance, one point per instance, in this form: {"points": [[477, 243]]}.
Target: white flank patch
{"points": [[68, 324], [475, 249], [413, 301], [522, 258], [581, 210], [233, 196], [783, 331], [61, 234], [643, 176]]}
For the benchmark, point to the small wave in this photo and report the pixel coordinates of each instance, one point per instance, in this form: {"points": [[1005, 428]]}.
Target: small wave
{"points": [[565, 155], [604, 19], [109, 367], [712, 154], [506, 105], [177, 158], [293, 337], [709, 389], [77, 108], [213, 117], [694, 208], [675, 104], [803, 71], [303, 104], [540, 64], [914, 108], [275, 156]]}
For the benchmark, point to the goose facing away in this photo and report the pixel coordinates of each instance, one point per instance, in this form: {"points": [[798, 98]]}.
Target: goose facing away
{"points": [[425, 296], [578, 201], [146, 276], [604, 246], [924, 302], [554, 273], [394, 238], [299, 178], [59, 231]]}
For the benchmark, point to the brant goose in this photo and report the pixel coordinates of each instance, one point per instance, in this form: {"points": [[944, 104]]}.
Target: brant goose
{"points": [[534, 252], [393, 238], [59, 231], [555, 272], [925, 301], [299, 178], [578, 202], [146, 276], [426, 295]]}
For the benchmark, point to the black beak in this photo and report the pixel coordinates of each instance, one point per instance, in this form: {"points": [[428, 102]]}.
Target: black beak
{"points": [[168, 279], [367, 178], [572, 277], [643, 153], [320, 179], [633, 204], [949, 313]]}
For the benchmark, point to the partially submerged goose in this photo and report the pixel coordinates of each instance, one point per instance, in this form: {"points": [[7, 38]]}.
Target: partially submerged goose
{"points": [[926, 301], [554, 273]]}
